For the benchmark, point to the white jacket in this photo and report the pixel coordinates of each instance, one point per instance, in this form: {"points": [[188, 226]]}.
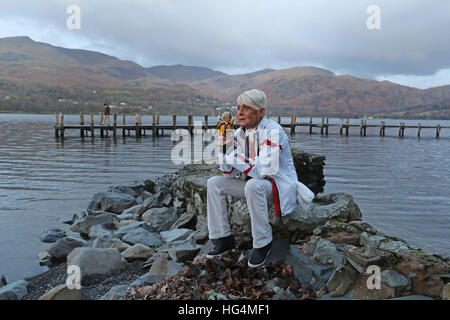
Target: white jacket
{"points": [[273, 161]]}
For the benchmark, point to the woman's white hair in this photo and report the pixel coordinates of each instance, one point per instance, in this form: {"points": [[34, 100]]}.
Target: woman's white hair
{"points": [[256, 99]]}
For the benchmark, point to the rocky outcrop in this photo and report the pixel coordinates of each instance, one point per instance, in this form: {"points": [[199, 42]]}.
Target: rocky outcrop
{"points": [[328, 247]]}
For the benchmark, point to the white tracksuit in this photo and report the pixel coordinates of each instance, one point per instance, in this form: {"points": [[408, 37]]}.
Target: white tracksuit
{"points": [[264, 155]]}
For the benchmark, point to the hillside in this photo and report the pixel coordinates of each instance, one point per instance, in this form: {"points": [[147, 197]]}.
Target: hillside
{"points": [[35, 73]]}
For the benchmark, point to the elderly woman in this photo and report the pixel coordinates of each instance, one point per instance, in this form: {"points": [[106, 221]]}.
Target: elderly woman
{"points": [[257, 165]]}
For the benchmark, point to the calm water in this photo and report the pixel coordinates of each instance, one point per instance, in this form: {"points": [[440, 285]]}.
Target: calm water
{"points": [[400, 184]]}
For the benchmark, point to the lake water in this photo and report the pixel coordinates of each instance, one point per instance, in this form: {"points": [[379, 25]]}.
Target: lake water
{"points": [[400, 184]]}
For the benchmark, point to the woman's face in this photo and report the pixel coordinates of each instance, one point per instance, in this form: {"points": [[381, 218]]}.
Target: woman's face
{"points": [[248, 117]]}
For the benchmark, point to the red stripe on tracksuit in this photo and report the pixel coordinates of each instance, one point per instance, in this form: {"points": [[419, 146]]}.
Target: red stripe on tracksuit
{"points": [[227, 172], [271, 144], [276, 197]]}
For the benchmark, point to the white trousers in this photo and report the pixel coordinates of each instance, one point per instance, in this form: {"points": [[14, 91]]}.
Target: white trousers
{"points": [[257, 193]]}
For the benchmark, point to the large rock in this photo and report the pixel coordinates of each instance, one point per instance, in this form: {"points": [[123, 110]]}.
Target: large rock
{"points": [[137, 252], [133, 226], [116, 293], [52, 235], [95, 262], [341, 281], [105, 243], [395, 280], [325, 252], [161, 218], [102, 231], [162, 266], [61, 292], [175, 235], [82, 226], [14, 291], [142, 236], [183, 250], [110, 201], [308, 273], [63, 247], [362, 291]]}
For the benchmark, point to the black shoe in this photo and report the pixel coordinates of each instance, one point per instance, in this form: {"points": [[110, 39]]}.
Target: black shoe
{"points": [[222, 245], [258, 256]]}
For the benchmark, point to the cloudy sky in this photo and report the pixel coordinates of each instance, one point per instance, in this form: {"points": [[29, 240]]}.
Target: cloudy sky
{"points": [[412, 46]]}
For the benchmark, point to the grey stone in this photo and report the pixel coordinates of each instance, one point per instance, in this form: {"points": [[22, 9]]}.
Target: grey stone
{"points": [[105, 243], [62, 292], [52, 235], [82, 226], [135, 210], [395, 246], [111, 201], [163, 266], [183, 250], [116, 293], [213, 295], [94, 263], [137, 252], [309, 274], [340, 281], [370, 241], [147, 280], [142, 236], [363, 226], [176, 234], [198, 236], [161, 218], [104, 230], [281, 294], [187, 220], [395, 280], [326, 252], [124, 190], [14, 291], [133, 226], [124, 216], [63, 247]]}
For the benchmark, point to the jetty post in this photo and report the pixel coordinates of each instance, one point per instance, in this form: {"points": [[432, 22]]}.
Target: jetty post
{"points": [[326, 127], [310, 125], [438, 131], [92, 125], [190, 123], [322, 125], [154, 130], [56, 125], [123, 124], [114, 124], [341, 126], [206, 122], [61, 125], [347, 126], [81, 124], [174, 120], [419, 127], [293, 121]]}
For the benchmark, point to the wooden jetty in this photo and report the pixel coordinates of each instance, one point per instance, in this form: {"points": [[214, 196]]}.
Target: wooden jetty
{"points": [[156, 128]]}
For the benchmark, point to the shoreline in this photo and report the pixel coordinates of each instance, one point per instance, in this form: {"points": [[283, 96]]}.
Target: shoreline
{"points": [[191, 179]]}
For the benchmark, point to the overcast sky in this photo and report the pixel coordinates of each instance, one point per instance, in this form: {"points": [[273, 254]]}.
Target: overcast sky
{"points": [[237, 36]]}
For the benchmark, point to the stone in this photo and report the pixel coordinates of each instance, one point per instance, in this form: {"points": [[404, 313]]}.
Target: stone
{"points": [[309, 168], [362, 291], [395, 280], [347, 296], [187, 220], [52, 235], [44, 255], [61, 292], [137, 252], [395, 246], [82, 226], [142, 236], [308, 273], [344, 237], [326, 252], [96, 263], [370, 241], [176, 234], [362, 256], [341, 280], [103, 243], [63, 247], [14, 291], [124, 190], [135, 210], [161, 218], [116, 293], [132, 226], [281, 294], [198, 236], [3, 281], [105, 230], [163, 266], [183, 250], [213, 295], [124, 216], [110, 201], [363, 226], [446, 292], [147, 280]]}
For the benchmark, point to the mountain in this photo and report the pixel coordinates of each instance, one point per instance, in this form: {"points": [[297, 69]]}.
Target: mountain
{"points": [[315, 91], [180, 73], [33, 71], [21, 58]]}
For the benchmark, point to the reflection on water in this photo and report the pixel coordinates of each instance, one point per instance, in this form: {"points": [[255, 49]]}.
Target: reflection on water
{"points": [[400, 184]]}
